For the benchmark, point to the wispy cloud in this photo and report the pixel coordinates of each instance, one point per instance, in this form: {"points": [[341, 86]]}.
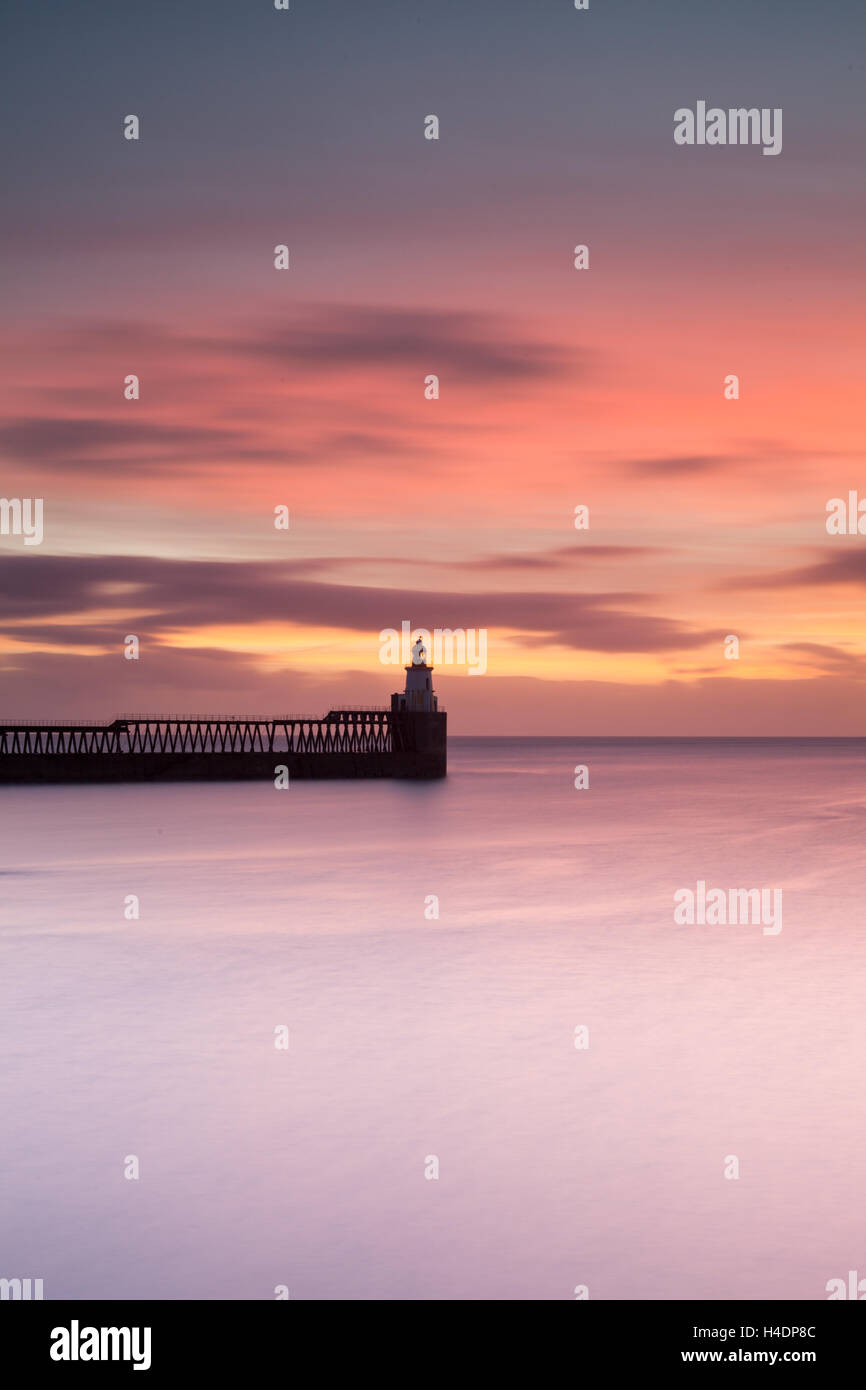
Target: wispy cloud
{"points": [[103, 445], [844, 567], [181, 596], [480, 347]]}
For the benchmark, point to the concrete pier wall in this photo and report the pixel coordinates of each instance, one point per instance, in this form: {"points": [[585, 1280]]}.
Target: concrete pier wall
{"points": [[18, 769], [418, 749]]}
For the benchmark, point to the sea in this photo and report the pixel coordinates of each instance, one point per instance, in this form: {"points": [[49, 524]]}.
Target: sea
{"points": [[445, 1040]]}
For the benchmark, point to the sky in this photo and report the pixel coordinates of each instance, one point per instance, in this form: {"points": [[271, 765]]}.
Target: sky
{"points": [[305, 388]]}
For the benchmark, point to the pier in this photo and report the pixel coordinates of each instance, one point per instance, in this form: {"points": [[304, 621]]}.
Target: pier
{"points": [[407, 739]]}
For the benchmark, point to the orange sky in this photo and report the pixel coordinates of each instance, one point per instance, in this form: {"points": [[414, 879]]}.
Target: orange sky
{"points": [[558, 387]]}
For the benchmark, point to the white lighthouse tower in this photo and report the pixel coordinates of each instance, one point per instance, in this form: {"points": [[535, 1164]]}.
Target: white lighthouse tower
{"points": [[418, 697], [417, 724]]}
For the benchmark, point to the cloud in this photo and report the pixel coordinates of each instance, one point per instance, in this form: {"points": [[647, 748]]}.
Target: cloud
{"points": [[210, 683], [97, 635], [183, 595], [757, 454], [323, 338], [611, 630], [845, 567], [102, 445], [560, 558], [826, 657], [679, 465], [476, 347], [107, 447]]}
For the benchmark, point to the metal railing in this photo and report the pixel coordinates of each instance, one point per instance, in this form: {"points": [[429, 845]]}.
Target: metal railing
{"points": [[352, 731]]}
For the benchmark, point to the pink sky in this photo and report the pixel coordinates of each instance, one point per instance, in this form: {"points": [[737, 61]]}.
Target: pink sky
{"points": [[558, 387]]}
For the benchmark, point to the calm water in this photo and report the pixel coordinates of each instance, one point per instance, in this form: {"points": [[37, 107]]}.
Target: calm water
{"points": [[411, 1037]]}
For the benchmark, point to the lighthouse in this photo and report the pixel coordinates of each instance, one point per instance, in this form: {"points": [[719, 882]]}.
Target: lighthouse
{"points": [[418, 696], [418, 726], [409, 739]]}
